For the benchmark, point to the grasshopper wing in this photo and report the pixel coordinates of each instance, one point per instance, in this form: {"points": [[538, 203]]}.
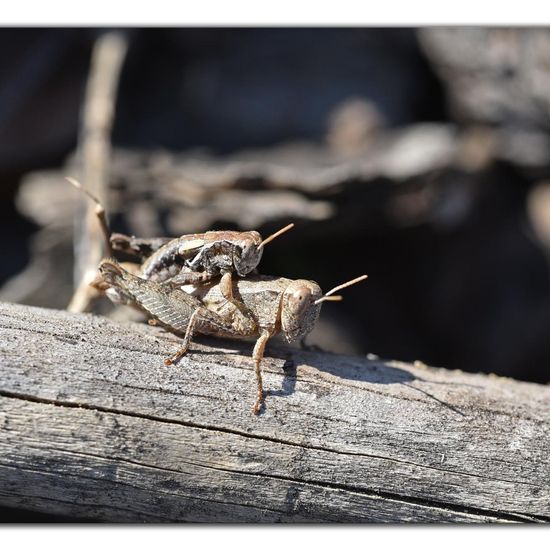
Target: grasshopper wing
{"points": [[172, 307]]}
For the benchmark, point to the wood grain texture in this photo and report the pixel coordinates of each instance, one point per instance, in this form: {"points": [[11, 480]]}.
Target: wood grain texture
{"points": [[94, 425]]}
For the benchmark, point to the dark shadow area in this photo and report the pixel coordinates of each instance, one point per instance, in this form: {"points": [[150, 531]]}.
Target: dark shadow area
{"points": [[289, 380], [349, 368], [16, 515], [372, 372]]}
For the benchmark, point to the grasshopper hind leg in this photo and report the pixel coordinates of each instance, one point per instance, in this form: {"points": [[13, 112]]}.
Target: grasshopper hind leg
{"points": [[142, 248]]}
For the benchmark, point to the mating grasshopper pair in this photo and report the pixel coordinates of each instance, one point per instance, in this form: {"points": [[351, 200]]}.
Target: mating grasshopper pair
{"points": [[186, 285]]}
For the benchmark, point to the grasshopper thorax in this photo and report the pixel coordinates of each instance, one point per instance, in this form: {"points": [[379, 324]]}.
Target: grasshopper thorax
{"points": [[299, 312]]}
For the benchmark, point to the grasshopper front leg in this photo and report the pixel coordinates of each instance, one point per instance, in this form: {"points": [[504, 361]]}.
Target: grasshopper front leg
{"points": [[257, 355]]}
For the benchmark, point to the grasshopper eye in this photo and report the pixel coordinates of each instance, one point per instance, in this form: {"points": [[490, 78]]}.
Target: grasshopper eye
{"points": [[247, 248], [299, 298]]}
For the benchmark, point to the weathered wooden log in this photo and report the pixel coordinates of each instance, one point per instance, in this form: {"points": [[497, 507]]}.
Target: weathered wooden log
{"points": [[94, 425]]}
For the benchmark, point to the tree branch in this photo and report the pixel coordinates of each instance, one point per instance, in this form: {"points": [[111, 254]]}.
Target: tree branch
{"points": [[94, 425]]}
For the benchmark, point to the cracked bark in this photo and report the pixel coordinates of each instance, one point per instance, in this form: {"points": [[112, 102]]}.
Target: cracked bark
{"points": [[94, 425]]}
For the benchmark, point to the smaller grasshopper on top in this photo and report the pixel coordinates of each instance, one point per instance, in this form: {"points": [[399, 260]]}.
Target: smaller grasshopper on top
{"points": [[189, 259]]}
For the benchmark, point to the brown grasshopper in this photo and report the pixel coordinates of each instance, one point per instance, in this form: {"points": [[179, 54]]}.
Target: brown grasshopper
{"points": [[188, 259], [263, 307], [198, 257]]}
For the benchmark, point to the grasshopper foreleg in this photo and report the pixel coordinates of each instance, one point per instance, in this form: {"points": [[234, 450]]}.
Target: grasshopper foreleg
{"points": [[226, 287], [257, 355]]}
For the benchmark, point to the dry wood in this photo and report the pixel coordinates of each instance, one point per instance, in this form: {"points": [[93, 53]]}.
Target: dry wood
{"points": [[94, 425]]}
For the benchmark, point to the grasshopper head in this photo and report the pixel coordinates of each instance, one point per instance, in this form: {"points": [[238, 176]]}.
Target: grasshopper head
{"points": [[248, 253], [299, 312], [251, 247]]}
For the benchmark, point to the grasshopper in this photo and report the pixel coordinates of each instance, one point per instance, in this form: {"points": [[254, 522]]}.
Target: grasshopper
{"points": [[188, 259], [265, 306], [198, 257]]}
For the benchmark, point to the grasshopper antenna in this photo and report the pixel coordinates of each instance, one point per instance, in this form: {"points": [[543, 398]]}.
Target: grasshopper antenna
{"points": [[328, 297], [100, 213], [275, 235]]}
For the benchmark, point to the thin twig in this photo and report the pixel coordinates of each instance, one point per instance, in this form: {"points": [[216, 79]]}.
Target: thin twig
{"points": [[94, 154]]}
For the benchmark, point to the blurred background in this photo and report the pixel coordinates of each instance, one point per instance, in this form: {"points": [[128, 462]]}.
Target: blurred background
{"points": [[418, 156]]}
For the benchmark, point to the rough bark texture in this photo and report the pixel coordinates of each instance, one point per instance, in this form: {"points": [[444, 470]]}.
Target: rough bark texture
{"points": [[94, 425]]}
